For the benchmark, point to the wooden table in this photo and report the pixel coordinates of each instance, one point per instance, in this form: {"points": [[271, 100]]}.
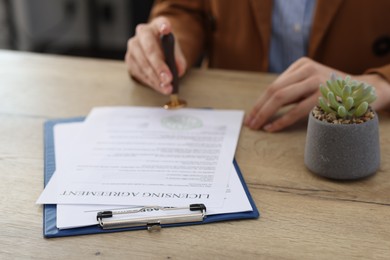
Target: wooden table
{"points": [[302, 216]]}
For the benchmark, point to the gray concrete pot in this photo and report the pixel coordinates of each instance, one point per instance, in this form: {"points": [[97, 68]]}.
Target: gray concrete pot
{"points": [[342, 151]]}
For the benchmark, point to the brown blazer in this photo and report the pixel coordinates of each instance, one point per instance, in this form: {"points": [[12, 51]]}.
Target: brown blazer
{"points": [[350, 35]]}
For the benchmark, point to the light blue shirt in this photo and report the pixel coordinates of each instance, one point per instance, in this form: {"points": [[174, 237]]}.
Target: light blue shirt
{"points": [[291, 24]]}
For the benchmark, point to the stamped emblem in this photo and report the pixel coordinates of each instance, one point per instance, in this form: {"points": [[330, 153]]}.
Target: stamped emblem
{"points": [[181, 122]]}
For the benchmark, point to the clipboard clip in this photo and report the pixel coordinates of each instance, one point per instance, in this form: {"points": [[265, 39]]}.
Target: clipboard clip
{"points": [[192, 213]]}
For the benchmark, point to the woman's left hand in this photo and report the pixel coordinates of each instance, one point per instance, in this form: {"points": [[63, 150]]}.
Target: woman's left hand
{"points": [[299, 85]]}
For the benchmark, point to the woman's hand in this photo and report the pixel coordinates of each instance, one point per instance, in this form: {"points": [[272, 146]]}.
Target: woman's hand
{"points": [[145, 59], [299, 85]]}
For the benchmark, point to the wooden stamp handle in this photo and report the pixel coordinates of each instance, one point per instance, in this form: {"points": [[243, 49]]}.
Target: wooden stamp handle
{"points": [[168, 46]]}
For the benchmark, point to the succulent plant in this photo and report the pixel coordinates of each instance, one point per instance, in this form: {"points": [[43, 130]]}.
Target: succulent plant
{"points": [[346, 98]]}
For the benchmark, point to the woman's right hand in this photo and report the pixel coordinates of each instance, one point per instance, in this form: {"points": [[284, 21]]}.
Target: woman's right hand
{"points": [[145, 58]]}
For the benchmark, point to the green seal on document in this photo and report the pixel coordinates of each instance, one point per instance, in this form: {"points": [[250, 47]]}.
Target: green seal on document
{"points": [[181, 122]]}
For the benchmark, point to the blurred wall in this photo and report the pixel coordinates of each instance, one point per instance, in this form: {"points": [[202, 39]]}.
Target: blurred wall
{"points": [[96, 28], [4, 34]]}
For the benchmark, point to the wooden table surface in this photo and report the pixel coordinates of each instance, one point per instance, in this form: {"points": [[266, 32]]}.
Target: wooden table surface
{"points": [[302, 216]]}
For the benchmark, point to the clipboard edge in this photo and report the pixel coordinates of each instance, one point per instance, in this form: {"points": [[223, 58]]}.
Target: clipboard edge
{"points": [[49, 210]]}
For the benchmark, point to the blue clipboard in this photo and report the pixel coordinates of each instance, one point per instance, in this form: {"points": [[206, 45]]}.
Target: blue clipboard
{"points": [[50, 229]]}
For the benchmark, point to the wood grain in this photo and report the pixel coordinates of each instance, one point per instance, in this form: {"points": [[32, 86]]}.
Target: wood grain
{"points": [[302, 216]]}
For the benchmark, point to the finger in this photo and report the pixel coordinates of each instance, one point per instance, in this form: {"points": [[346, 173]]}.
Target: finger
{"points": [[283, 81], [292, 72], [295, 114], [299, 73], [144, 72], [131, 65], [284, 96], [129, 59], [151, 47], [161, 26], [138, 74], [139, 58], [147, 69], [299, 63]]}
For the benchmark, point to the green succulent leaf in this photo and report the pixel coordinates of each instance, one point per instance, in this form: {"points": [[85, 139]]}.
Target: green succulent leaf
{"points": [[332, 101], [346, 97], [346, 92], [341, 111], [329, 85], [333, 87], [358, 92], [339, 88], [348, 104], [366, 94], [324, 91], [324, 105], [361, 109], [370, 99], [367, 91]]}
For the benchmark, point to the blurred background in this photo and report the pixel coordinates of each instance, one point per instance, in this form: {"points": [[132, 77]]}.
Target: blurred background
{"points": [[89, 28]]}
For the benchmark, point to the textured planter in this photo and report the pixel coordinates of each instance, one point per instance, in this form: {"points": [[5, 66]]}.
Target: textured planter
{"points": [[342, 151]]}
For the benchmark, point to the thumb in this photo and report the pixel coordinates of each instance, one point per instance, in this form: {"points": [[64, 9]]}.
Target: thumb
{"points": [[161, 25]]}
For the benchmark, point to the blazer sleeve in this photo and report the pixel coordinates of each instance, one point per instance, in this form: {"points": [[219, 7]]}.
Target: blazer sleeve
{"points": [[188, 23], [384, 71]]}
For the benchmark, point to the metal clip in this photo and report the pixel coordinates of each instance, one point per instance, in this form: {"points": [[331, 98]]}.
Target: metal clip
{"points": [[195, 213], [153, 227]]}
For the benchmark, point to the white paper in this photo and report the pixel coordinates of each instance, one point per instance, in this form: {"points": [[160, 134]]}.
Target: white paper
{"points": [[148, 156], [72, 216]]}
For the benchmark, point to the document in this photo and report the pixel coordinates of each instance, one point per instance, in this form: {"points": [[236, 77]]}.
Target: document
{"points": [[72, 216], [148, 156]]}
